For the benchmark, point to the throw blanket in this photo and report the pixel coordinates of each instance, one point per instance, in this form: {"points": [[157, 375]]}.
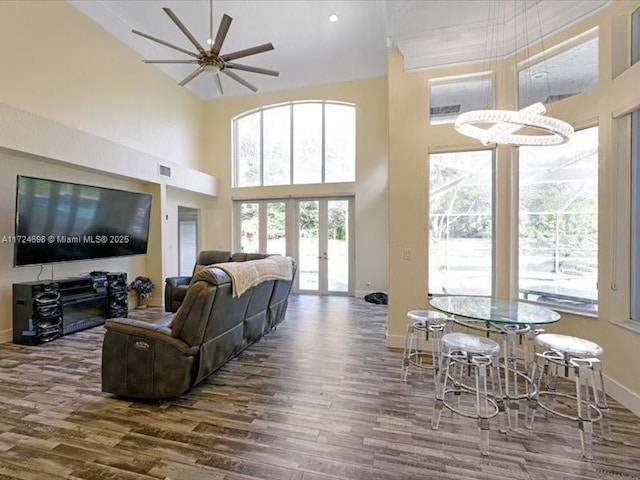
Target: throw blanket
{"points": [[245, 275]]}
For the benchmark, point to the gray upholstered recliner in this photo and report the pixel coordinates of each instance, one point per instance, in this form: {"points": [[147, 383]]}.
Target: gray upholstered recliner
{"points": [[175, 288], [164, 359]]}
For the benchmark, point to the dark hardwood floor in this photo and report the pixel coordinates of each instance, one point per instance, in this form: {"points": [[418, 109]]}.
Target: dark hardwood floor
{"points": [[319, 399]]}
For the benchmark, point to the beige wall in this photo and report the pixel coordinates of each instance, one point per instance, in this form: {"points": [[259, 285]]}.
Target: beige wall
{"points": [[411, 139], [13, 165], [71, 95], [60, 65], [370, 189], [181, 198]]}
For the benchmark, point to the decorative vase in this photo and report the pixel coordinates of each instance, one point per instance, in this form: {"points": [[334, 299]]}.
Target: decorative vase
{"points": [[142, 300]]}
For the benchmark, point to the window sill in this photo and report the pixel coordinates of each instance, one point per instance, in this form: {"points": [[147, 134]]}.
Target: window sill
{"points": [[627, 325]]}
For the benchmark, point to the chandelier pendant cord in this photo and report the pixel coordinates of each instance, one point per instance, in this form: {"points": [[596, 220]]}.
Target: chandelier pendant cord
{"points": [[505, 123]]}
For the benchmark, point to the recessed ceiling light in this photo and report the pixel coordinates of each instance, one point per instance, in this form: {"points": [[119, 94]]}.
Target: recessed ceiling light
{"points": [[333, 17]]}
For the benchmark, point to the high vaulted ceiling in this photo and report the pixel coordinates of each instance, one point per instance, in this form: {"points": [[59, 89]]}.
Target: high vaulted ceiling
{"points": [[311, 50]]}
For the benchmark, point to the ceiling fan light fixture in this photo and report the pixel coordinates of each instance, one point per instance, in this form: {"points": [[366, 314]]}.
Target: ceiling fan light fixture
{"points": [[211, 69], [211, 60]]}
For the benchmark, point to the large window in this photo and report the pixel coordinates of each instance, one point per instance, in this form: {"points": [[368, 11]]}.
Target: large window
{"points": [[450, 97], [296, 143], [568, 73], [558, 222], [460, 222]]}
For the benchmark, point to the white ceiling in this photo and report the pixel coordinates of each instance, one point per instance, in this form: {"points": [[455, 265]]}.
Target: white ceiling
{"points": [[310, 50]]}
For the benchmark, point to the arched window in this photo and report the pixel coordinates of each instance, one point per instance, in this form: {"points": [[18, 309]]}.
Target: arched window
{"points": [[295, 143]]}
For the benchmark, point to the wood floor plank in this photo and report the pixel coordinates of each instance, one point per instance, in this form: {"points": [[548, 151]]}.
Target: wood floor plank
{"points": [[318, 399]]}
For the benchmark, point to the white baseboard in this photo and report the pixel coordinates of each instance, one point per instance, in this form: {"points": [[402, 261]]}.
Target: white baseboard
{"points": [[362, 293], [623, 395], [6, 336], [395, 341]]}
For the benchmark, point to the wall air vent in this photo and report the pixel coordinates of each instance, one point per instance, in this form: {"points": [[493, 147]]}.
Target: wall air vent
{"points": [[164, 171], [445, 110]]}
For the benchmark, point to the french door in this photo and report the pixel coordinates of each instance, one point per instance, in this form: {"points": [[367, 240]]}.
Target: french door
{"points": [[325, 246], [317, 232]]}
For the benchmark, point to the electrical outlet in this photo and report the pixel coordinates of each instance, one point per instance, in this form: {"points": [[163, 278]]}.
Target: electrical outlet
{"points": [[368, 283]]}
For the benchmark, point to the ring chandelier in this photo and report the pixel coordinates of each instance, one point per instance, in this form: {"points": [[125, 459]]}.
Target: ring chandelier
{"points": [[507, 122]]}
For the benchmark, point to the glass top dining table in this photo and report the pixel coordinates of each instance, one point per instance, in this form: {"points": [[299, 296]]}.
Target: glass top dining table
{"points": [[495, 311], [511, 318]]}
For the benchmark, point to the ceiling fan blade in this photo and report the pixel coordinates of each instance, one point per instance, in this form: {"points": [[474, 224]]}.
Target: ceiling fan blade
{"points": [[248, 51], [248, 68], [184, 30], [225, 23], [218, 84], [162, 42], [170, 61], [191, 76], [239, 79]]}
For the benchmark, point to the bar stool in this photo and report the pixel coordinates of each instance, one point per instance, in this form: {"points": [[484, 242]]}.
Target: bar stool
{"points": [[425, 324], [577, 354], [473, 354]]}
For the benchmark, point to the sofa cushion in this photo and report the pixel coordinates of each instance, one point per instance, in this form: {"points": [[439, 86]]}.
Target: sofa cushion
{"points": [[244, 257], [248, 274], [209, 257], [196, 270]]}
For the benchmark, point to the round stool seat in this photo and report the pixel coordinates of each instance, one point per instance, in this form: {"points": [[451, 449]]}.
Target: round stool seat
{"points": [[470, 344], [569, 345], [427, 316]]}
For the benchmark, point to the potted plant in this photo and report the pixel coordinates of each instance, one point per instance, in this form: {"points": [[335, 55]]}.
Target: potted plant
{"points": [[143, 286]]}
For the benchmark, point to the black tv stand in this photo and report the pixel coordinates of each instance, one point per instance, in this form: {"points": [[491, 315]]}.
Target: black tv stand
{"points": [[46, 310]]}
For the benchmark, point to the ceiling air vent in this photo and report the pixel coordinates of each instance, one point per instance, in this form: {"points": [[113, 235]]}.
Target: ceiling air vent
{"points": [[164, 171], [445, 110]]}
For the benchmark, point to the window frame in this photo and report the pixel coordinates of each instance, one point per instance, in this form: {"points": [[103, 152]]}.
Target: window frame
{"points": [[492, 150], [634, 306], [487, 76], [553, 51], [260, 111], [556, 306], [634, 50]]}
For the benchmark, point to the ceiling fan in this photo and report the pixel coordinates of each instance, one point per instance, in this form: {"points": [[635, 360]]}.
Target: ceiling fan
{"points": [[212, 60]]}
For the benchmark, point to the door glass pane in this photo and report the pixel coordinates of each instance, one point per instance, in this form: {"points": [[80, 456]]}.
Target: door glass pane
{"points": [[558, 222], [248, 145], [277, 145], [250, 227], [568, 73], [276, 222], [460, 222], [308, 245], [307, 143], [338, 245], [340, 143]]}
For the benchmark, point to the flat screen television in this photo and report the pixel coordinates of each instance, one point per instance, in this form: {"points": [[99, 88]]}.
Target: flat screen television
{"points": [[62, 221]]}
